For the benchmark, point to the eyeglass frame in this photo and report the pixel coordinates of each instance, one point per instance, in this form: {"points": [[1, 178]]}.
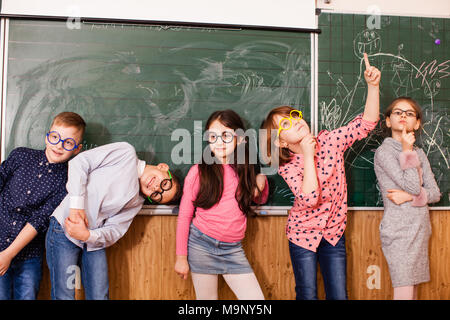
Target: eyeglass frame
{"points": [[290, 121], [221, 137], [161, 186], [62, 140], [405, 112]]}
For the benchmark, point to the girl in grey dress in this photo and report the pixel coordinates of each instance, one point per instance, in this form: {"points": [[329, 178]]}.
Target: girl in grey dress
{"points": [[407, 185]]}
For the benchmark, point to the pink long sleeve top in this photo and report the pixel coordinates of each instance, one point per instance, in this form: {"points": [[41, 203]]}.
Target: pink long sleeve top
{"points": [[224, 221], [322, 212]]}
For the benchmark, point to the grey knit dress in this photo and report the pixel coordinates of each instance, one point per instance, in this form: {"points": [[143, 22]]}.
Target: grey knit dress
{"points": [[405, 229]]}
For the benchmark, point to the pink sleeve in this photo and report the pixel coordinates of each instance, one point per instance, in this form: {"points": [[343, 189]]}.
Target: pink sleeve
{"points": [[342, 138], [294, 181], [186, 211], [264, 194], [421, 199], [409, 159]]}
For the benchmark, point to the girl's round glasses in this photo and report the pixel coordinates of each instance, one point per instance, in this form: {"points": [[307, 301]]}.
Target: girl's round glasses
{"points": [[226, 136], [286, 123]]}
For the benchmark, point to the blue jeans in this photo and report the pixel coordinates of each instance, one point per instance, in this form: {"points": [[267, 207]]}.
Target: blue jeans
{"points": [[22, 280], [64, 259], [333, 265]]}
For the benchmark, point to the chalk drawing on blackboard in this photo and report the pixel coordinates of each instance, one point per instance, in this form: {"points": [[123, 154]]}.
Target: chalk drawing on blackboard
{"points": [[400, 77], [367, 41], [284, 192], [435, 86]]}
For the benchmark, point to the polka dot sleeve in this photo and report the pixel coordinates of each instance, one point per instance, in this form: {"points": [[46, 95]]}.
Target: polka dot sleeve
{"points": [[293, 177], [345, 136]]}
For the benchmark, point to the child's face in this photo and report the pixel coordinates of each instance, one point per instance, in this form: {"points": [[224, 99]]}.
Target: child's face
{"points": [[217, 134], [402, 116], [55, 152], [151, 179], [294, 134]]}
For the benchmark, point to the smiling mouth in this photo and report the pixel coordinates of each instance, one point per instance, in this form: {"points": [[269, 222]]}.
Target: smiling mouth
{"points": [[150, 183], [57, 153]]}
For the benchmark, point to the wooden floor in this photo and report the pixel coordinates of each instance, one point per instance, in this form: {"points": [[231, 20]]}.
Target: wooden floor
{"points": [[141, 263]]}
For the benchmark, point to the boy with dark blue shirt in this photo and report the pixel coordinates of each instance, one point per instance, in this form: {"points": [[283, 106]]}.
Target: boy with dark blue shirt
{"points": [[32, 184]]}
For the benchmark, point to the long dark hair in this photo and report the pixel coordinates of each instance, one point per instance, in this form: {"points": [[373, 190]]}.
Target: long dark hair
{"points": [[211, 175]]}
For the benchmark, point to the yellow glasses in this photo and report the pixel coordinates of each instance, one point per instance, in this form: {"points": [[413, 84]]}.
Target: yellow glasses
{"points": [[286, 123]]}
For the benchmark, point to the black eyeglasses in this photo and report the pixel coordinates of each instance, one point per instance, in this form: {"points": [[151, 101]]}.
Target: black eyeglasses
{"points": [[227, 136], [68, 144], [409, 113], [165, 185]]}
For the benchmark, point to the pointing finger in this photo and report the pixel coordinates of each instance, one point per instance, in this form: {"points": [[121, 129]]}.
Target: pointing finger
{"points": [[366, 60]]}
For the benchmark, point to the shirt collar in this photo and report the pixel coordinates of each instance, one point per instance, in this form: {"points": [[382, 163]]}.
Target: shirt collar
{"points": [[140, 167]]}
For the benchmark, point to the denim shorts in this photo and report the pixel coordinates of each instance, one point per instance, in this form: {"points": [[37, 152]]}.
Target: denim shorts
{"points": [[207, 255]]}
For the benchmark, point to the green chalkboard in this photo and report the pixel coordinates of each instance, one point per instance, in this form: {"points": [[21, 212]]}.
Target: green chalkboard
{"points": [[413, 55], [139, 83]]}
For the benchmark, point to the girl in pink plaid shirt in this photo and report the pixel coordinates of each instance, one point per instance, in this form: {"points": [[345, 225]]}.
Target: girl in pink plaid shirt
{"points": [[313, 168]]}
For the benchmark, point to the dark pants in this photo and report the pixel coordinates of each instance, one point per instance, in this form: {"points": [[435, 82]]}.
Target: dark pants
{"points": [[22, 280], [64, 259], [333, 265]]}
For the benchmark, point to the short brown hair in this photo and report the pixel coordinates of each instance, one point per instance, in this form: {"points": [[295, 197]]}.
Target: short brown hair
{"points": [[177, 196], [70, 119], [269, 124], [387, 113]]}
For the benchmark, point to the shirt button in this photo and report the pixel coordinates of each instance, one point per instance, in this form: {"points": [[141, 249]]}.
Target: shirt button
{"points": [[7, 240], [41, 163], [28, 192], [18, 209], [14, 223], [39, 175], [49, 170]]}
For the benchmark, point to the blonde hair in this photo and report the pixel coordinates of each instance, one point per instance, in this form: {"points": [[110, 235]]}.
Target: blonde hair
{"points": [[70, 119]]}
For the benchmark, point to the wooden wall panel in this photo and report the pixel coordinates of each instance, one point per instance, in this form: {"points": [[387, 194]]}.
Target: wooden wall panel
{"points": [[172, 286], [120, 266], [366, 266], [141, 264], [439, 250]]}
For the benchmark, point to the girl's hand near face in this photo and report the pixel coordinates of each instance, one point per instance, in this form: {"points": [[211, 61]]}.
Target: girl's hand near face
{"points": [[408, 140], [308, 145]]}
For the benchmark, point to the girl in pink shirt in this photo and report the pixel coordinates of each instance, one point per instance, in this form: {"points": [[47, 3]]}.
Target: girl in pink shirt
{"points": [[313, 168], [220, 191]]}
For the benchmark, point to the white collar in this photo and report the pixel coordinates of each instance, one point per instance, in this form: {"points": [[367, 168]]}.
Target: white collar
{"points": [[140, 167]]}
